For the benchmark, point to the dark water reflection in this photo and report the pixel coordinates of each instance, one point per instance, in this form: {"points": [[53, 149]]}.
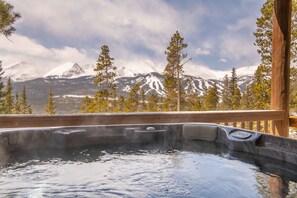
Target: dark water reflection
{"points": [[188, 169]]}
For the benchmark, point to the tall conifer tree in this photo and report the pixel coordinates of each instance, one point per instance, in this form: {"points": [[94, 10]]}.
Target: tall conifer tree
{"points": [[86, 104], [25, 107], [152, 105], [234, 91], [211, 98], [263, 33], [114, 103], [8, 100], [226, 100], [121, 104], [246, 102], [7, 18], [17, 106], [106, 74], [133, 100], [193, 102], [263, 41], [173, 71], [2, 92], [50, 107], [143, 100], [260, 87]]}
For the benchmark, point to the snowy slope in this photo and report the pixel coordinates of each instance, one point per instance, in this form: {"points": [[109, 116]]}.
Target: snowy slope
{"points": [[124, 72], [89, 69], [154, 83], [204, 72], [140, 67], [22, 71], [246, 71], [67, 70]]}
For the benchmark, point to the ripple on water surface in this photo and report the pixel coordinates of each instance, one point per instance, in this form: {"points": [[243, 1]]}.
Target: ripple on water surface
{"points": [[192, 169]]}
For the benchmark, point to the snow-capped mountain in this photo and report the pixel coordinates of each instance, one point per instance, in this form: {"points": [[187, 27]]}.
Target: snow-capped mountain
{"points": [[71, 82], [88, 69], [154, 83], [124, 72], [68, 92], [67, 70], [73, 70], [22, 71]]}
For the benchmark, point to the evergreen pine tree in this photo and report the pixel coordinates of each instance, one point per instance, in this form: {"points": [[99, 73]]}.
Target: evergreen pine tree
{"points": [[25, 108], [7, 18], [226, 100], [101, 104], [263, 41], [246, 102], [161, 104], [17, 106], [263, 33], [173, 71], [85, 104], [152, 105], [50, 107], [260, 87], [30, 110], [8, 100], [193, 102], [114, 102], [234, 91], [89, 105], [211, 99], [132, 102], [2, 92], [105, 76], [121, 104], [143, 105]]}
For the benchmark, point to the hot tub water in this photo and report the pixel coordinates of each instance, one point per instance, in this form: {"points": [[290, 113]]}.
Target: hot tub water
{"points": [[187, 169]]}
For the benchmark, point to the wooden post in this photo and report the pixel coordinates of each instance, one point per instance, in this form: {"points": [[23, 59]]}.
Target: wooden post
{"points": [[281, 63], [265, 126]]}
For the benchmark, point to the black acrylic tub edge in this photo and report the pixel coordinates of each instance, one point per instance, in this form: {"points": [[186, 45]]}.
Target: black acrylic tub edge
{"points": [[259, 144]]}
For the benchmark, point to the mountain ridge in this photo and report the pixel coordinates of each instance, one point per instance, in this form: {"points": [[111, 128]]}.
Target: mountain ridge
{"points": [[71, 82], [74, 70], [68, 92]]}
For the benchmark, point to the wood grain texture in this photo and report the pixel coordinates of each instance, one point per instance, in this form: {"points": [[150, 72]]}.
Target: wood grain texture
{"points": [[281, 63], [14, 121]]}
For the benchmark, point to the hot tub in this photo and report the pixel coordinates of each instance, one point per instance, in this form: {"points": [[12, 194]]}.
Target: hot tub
{"points": [[160, 160]]}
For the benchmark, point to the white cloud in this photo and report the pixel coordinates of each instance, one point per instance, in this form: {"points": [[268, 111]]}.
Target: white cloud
{"points": [[222, 60], [243, 23], [120, 21], [141, 23], [124, 25], [200, 51], [237, 48], [22, 48]]}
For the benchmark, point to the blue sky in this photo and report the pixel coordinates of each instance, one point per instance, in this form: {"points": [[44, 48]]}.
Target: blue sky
{"points": [[219, 33]]}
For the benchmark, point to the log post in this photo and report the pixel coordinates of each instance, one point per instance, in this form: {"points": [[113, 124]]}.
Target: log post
{"points": [[281, 63]]}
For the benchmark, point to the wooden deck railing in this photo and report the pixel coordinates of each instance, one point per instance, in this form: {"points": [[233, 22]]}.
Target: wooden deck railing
{"points": [[259, 120]]}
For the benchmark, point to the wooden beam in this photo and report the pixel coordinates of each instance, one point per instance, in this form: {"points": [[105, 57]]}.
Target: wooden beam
{"points": [[281, 63], [12, 121]]}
